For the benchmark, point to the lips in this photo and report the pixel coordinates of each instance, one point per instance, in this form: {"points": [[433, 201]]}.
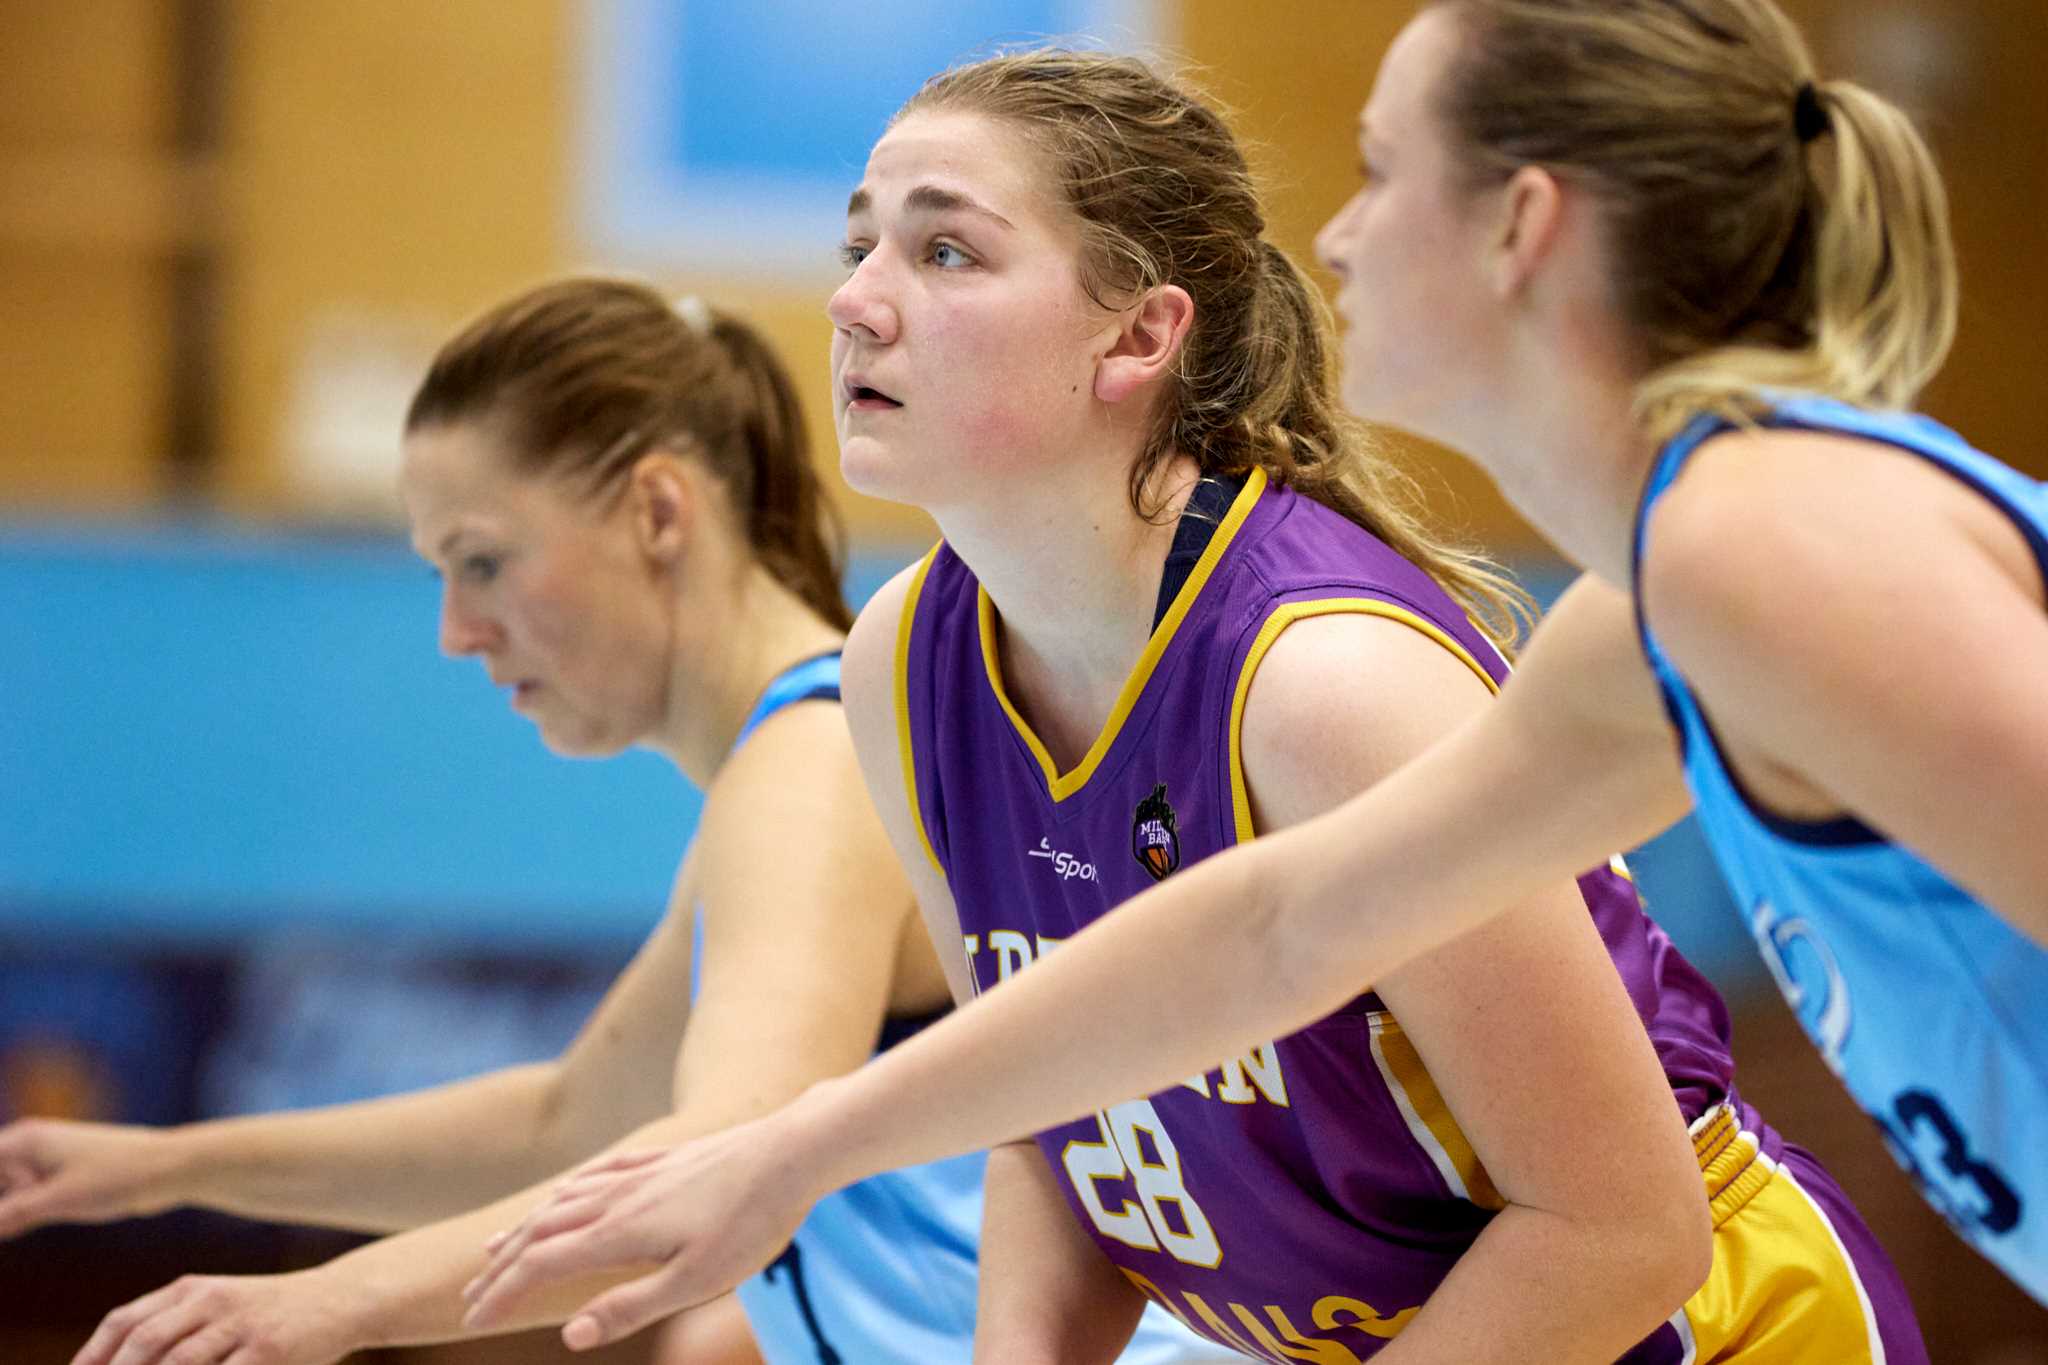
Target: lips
{"points": [[520, 688], [862, 396]]}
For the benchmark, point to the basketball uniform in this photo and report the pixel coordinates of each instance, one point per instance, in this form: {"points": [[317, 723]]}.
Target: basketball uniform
{"points": [[883, 1272], [1302, 1201], [1931, 1009]]}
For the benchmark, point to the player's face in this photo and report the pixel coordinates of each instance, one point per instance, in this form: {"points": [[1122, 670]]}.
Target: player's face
{"points": [[1406, 248], [961, 345], [545, 586]]}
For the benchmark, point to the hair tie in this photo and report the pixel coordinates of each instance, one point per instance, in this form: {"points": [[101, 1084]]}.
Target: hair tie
{"points": [[696, 313], [1809, 116]]}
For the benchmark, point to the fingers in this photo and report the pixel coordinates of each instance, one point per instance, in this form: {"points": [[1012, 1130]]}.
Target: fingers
{"points": [[25, 1203], [542, 1250], [18, 1139], [15, 1174], [619, 1161], [620, 1312], [106, 1339], [144, 1330], [551, 1219], [207, 1346], [23, 1180], [569, 1235]]}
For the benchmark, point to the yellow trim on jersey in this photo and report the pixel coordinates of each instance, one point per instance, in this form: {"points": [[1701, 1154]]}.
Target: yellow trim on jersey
{"points": [[1413, 1089], [1428, 1116], [1279, 621], [903, 705], [1063, 785], [1782, 1288]]}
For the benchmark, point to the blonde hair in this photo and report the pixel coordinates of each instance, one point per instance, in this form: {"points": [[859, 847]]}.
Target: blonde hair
{"points": [[1752, 249], [1164, 196]]}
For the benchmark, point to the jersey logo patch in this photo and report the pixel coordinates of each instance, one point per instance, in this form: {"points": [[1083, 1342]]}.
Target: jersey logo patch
{"points": [[1155, 835]]}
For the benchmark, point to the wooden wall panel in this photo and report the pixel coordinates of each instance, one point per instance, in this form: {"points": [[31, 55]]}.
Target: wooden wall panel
{"points": [[89, 202], [93, 73], [386, 160], [81, 380]]}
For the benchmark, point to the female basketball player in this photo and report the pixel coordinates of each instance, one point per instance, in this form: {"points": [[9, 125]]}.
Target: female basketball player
{"points": [[619, 498], [1174, 609]]}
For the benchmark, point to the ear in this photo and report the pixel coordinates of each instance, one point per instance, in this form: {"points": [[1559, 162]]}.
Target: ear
{"points": [[1147, 342], [1526, 231], [661, 500]]}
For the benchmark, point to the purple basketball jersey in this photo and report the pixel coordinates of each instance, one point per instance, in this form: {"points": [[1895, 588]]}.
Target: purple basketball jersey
{"points": [[1299, 1202]]}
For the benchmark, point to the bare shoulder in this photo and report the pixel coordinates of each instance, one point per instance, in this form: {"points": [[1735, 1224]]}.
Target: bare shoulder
{"points": [[1763, 524], [1341, 699], [868, 667]]}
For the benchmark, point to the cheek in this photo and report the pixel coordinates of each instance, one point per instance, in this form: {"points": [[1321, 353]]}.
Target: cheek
{"points": [[1016, 381], [565, 620]]}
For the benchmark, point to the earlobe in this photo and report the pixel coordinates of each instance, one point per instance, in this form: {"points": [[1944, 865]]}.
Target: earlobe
{"points": [[1148, 339]]}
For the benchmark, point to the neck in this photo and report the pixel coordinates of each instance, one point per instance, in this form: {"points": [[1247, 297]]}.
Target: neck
{"points": [[1074, 592], [727, 652], [1561, 441]]}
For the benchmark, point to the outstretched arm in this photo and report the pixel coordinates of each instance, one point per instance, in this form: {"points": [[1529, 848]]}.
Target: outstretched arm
{"points": [[384, 1164], [1573, 761], [800, 949]]}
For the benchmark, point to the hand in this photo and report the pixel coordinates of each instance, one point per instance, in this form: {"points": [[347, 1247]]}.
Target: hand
{"points": [[707, 1214], [296, 1319], [54, 1171]]}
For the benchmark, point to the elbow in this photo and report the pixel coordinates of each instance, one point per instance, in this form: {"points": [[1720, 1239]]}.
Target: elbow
{"points": [[1691, 1250], [1291, 960], [1668, 1250]]}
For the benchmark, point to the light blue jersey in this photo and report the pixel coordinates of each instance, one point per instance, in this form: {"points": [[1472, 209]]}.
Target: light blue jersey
{"points": [[1932, 1010], [883, 1272]]}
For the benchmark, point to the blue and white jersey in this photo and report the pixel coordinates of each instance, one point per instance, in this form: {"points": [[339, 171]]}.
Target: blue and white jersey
{"points": [[1931, 1009], [884, 1271]]}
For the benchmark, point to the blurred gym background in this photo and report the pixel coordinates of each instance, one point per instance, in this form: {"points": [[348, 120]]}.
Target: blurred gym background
{"points": [[259, 845]]}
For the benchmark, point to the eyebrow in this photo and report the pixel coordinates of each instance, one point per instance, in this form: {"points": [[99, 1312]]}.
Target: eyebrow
{"points": [[930, 199], [453, 538]]}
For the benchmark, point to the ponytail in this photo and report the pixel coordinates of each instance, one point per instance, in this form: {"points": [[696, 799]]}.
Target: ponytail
{"points": [[1767, 233], [793, 528]]}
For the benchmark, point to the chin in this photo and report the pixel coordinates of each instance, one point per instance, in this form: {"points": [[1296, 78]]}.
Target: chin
{"points": [[581, 744], [868, 470]]}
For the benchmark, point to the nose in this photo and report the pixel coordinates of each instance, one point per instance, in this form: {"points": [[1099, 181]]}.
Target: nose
{"points": [[1330, 239], [861, 306], [463, 632]]}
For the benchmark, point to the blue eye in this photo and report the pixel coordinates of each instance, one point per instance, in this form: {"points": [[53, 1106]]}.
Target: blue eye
{"points": [[480, 568], [948, 257], [851, 256]]}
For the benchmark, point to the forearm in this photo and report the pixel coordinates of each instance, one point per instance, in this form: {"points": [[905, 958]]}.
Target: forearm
{"points": [[406, 1290], [1047, 1294], [1289, 928], [381, 1165], [1538, 1285]]}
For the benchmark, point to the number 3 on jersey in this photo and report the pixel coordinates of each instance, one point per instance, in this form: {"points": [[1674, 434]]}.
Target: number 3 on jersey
{"points": [[1136, 1147]]}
